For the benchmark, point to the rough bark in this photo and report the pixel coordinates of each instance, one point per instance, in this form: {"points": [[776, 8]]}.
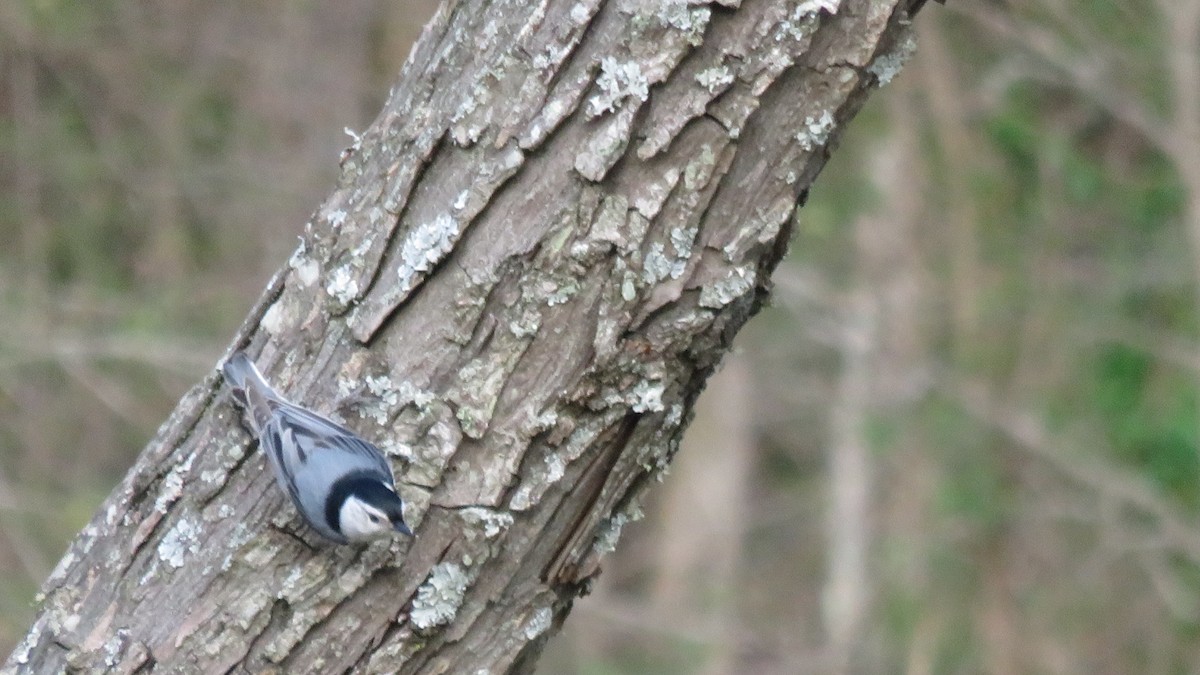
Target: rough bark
{"points": [[534, 258]]}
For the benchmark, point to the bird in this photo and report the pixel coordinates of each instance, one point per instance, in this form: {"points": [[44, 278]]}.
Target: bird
{"points": [[341, 484]]}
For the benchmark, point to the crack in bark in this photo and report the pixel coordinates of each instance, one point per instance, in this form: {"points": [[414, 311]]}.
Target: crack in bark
{"points": [[585, 493]]}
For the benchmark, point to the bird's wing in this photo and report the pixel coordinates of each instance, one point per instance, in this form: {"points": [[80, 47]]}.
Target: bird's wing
{"points": [[279, 445], [317, 438]]}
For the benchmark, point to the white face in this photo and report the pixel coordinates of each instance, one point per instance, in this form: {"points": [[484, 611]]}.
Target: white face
{"points": [[361, 521]]}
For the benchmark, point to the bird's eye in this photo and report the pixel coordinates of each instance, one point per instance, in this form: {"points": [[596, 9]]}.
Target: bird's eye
{"points": [[374, 518]]}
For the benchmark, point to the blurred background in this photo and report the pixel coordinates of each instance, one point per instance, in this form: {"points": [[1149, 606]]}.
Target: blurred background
{"points": [[963, 439]]}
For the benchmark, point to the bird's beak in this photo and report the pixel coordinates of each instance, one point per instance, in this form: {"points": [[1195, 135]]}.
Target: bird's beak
{"points": [[400, 527]]}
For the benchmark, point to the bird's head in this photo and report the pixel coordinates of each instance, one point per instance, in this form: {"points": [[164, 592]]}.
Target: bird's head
{"points": [[370, 509]]}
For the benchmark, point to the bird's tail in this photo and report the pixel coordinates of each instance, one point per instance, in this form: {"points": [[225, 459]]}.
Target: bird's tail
{"points": [[250, 389]]}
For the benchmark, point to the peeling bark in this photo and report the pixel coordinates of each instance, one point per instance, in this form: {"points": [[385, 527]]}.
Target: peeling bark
{"points": [[533, 260]]}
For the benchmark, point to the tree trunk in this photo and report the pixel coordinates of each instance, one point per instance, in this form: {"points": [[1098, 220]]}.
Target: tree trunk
{"points": [[534, 258]]}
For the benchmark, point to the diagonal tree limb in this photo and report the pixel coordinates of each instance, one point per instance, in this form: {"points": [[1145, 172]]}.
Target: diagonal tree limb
{"points": [[534, 258]]}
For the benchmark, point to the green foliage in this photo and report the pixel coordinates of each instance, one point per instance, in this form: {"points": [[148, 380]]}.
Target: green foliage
{"points": [[1144, 407], [1151, 418], [210, 121]]}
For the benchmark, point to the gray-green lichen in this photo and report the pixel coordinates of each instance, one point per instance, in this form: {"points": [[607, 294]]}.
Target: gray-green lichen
{"points": [[307, 270], [482, 380], [424, 247], [656, 266], [885, 67], [629, 286], [814, 6], [815, 131], [682, 240], [356, 141], [674, 416], [656, 457], [365, 245], [489, 521], [538, 623], [722, 292], [660, 265], [439, 598], [386, 398], [240, 537], [411, 393], [527, 324], [553, 55], [467, 134], [580, 13], [646, 396], [114, 647], [618, 81], [610, 530], [690, 21], [172, 487], [556, 467], [699, 169], [562, 293], [536, 423], [714, 79], [178, 543], [21, 654], [342, 286]]}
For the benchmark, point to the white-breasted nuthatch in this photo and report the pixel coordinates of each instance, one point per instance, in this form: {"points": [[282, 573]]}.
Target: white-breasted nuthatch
{"points": [[340, 483]]}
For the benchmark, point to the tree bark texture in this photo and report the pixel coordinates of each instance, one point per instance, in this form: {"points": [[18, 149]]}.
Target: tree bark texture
{"points": [[535, 257]]}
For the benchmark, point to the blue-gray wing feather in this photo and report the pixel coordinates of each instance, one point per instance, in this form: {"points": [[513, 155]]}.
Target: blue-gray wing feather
{"points": [[317, 434]]}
